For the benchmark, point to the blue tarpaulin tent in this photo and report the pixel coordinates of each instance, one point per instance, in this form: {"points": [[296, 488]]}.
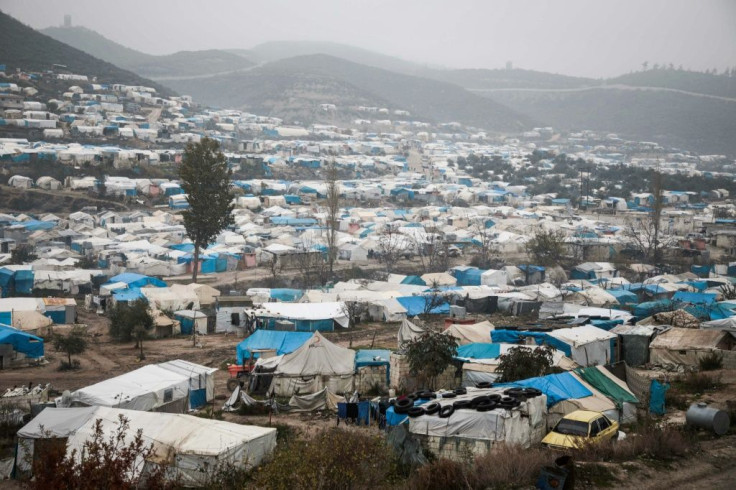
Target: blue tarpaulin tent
{"points": [[281, 342], [694, 298], [416, 305], [22, 342], [557, 387], [478, 350], [623, 297], [374, 357], [651, 307], [24, 281], [286, 295], [515, 337], [137, 280], [127, 295]]}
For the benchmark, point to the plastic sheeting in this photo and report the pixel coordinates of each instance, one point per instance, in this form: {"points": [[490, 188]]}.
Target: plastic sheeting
{"points": [[478, 351], [408, 331], [557, 387], [600, 381], [306, 311], [22, 342], [322, 400], [281, 342], [416, 305]]}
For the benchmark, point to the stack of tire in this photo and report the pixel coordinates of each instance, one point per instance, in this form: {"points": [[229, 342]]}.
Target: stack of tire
{"points": [[511, 398]]}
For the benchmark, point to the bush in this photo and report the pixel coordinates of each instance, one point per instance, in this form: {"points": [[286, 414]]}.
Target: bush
{"points": [[658, 443], [334, 458], [711, 362], [505, 466], [699, 382], [70, 366], [522, 363]]}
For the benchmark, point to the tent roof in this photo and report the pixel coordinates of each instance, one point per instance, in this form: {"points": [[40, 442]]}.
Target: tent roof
{"points": [[318, 356], [477, 332], [688, 338]]}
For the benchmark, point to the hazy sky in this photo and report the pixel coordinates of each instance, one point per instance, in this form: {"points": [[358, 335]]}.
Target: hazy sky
{"points": [[576, 37]]}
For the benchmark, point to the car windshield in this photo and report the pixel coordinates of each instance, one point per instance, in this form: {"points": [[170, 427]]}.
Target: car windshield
{"points": [[572, 427]]}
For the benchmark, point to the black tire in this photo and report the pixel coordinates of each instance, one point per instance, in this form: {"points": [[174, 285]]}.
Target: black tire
{"points": [[432, 408], [412, 396], [532, 392], [415, 412], [495, 397], [461, 404], [426, 395], [485, 406], [449, 395], [484, 384], [446, 411], [460, 391], [479, 399], [401, 410], [404, 403]]}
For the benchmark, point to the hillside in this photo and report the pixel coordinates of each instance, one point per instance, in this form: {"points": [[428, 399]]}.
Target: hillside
{"points": [[182, 63], [689, 81], [516, 78], [298, 85], [279, 50], [25, 48], [701, 123]]}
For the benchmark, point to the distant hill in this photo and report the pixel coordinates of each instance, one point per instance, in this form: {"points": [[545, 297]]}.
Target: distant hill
{"points": [[692, 122], [182, 63], [294, 88], [278, 50], [23, 47]]}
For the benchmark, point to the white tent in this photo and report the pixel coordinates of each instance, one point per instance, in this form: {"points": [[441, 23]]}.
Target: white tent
{"points": [[494, 277], [191, 446], [306, 311], [317, 364], [468, 334], [408, 331], [589, 345]]}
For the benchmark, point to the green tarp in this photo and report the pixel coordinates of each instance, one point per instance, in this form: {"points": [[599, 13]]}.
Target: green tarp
{"points": [[602, 383]]}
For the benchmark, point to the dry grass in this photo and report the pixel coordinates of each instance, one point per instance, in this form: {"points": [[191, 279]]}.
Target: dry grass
{"points": [[506, 466], [657, 443]]}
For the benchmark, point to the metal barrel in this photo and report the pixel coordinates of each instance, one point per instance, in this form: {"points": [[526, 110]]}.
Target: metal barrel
{"points": [[705, 417]]}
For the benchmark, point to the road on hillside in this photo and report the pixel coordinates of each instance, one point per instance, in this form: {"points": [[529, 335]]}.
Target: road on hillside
{"points": [[603, 87]]}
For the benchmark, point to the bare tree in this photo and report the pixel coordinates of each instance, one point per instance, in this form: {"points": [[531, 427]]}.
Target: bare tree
{"points": [[391, 246], [310, 264], [332, 202], [355, 311], [434, 299], [434, 253], [643, 232], [483, 246]]}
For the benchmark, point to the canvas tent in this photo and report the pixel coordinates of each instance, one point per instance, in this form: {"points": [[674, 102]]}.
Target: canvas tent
{"points": [[685, 346], [466, 334], [275, 341], [317, 364], [189, 445], [408, 331]]}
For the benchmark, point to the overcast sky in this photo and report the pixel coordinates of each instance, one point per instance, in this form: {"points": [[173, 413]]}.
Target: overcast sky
{"points": [[575, 37]]}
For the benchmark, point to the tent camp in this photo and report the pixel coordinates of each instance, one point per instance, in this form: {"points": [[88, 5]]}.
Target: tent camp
{"points": [[189, 445], [314, 365], [168, 387], [589, 345]]}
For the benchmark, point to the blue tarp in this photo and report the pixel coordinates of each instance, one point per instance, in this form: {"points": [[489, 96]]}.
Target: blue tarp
{"points": [[374, 357], [22, 342], [393, 418], [467, 277], [6, 318], [413, 280], [478, 350], [286, 295], [24, 281], [651, 307], [130, 294], [197, 398], [657, 392], [623, 297], [284, 221], [34, 225], [137, 280], [606, 324], [514, 337], [557, 387], [701, 270], [282, 342], [694, 298], [415, 305]]}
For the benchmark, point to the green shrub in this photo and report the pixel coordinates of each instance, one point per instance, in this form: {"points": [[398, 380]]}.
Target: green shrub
{"points": [[698, 382]]}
